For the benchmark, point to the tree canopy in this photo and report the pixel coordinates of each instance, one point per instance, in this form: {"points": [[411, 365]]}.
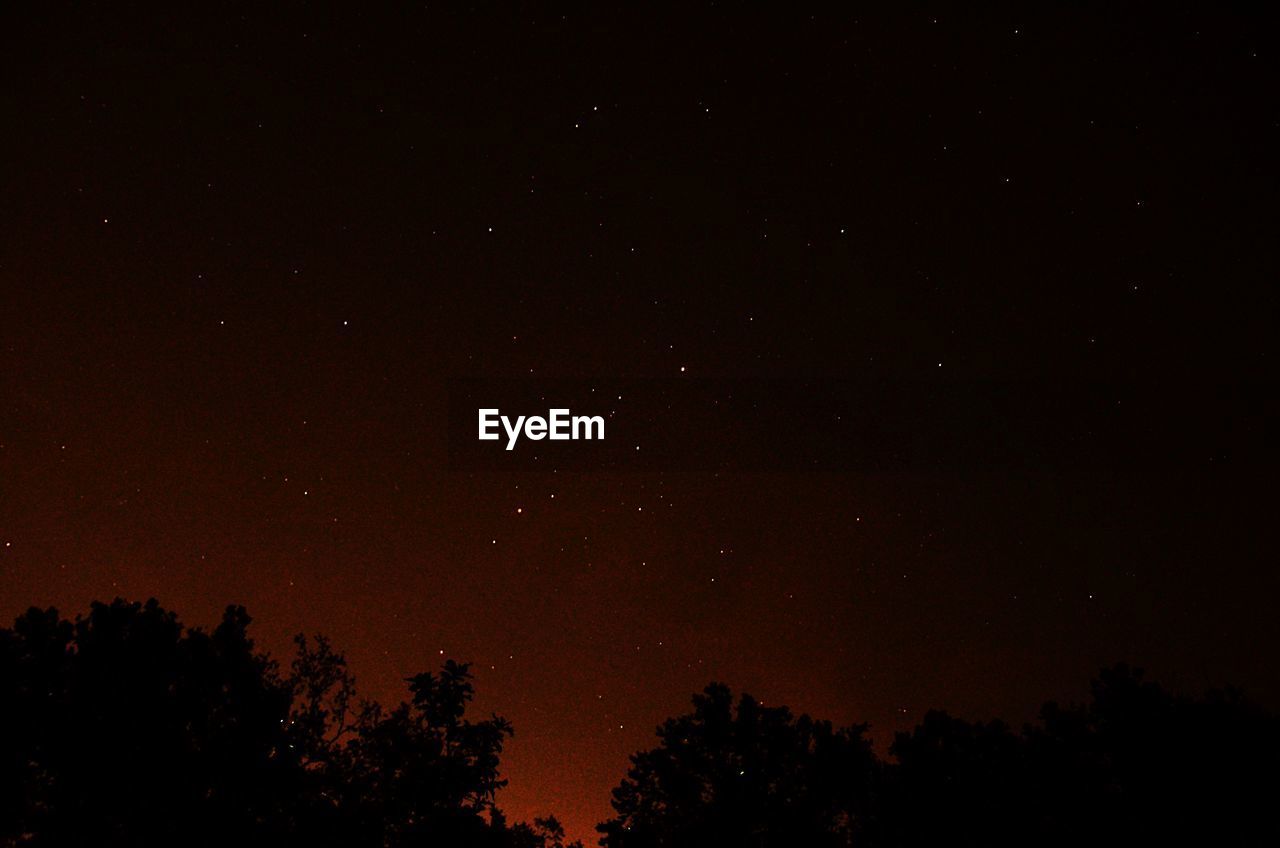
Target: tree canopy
{"points": [[1135, 765], [124, 728]]}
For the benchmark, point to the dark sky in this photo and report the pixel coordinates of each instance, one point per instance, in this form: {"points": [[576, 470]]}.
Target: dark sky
{"points": [[243, 256]]}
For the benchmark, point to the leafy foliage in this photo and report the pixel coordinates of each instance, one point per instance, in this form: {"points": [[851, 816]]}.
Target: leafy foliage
{"points": [[122, 728]]}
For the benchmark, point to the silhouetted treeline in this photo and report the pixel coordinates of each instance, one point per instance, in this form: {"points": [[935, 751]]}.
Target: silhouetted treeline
{"points": [[1134, 766], [122, 728]]}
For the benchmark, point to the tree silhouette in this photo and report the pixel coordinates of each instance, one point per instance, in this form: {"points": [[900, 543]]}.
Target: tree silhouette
{"points": [[754, 776], [421, 771], [1134, 766], [124, 728], [1145, 766], [954, 783]]}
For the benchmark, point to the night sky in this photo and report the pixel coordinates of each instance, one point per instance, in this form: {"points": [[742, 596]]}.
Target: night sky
{"points": [[244, 256]]}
